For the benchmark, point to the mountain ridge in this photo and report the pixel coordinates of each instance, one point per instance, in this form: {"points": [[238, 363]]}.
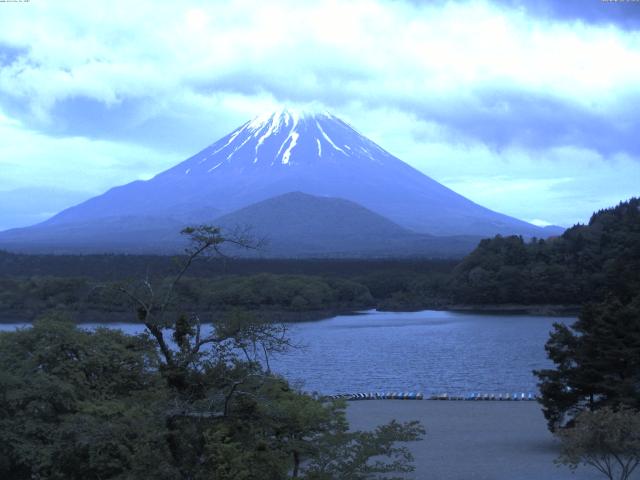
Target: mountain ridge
{"points": [[294, 225], [289, 151]]}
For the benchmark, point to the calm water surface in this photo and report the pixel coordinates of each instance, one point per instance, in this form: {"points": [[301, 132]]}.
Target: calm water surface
{"points": [[428, 351]]}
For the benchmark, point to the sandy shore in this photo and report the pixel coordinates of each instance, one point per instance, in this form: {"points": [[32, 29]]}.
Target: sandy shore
{"points": [[473, 440]]}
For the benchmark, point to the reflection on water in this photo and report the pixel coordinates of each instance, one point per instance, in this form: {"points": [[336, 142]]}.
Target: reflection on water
{"points": [[428, 351]]}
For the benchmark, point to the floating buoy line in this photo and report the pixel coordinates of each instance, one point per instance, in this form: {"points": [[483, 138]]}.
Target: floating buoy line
{"points": [[505, 397]]}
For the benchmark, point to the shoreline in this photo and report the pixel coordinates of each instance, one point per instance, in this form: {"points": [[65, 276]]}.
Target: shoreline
{"points": [[284, 316], [548, 310], [99, 316]]}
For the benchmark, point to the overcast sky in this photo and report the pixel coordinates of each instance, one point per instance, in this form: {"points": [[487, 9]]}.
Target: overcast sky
{"points": [[533, 112]]}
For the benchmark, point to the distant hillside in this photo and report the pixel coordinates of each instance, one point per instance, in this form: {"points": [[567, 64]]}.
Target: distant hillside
{"points": [[585, 263], [301, 225], [297, 224], [294, 225], [107, 234]]}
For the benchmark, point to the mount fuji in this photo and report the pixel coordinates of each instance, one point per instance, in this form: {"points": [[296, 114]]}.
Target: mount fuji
{"points": [[272, 155]]}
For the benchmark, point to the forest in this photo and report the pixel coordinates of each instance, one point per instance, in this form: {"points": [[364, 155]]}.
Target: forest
{"points": [[581, 265]]}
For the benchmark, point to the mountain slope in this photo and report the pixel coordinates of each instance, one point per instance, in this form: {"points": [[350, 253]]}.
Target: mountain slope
{"points": [[297, 224], [314, 222], [314, 153], [288, 151], [122, 234], [293, 225]]}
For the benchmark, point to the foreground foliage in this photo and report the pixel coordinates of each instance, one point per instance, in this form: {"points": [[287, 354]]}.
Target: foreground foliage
{"points": [[597, 362], [606, 439], [183, 401], [591, 399], [79, 405], [75, 404]]}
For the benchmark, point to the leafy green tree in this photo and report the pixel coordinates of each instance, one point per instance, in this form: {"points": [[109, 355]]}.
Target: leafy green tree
{"points": [[597, 362], [358, 455], [238, 407], [606, 439], [78, 405]]}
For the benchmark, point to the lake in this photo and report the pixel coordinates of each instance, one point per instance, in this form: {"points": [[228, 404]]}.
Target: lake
{"points": [[429, 351]]}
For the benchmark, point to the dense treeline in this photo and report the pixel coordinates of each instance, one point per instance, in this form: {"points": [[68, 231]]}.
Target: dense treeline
{"points": [[294, 293], [582, 265], [26, 298], [597, 359], [118, 267], [579, 266], [83, 285], [336, 286]]}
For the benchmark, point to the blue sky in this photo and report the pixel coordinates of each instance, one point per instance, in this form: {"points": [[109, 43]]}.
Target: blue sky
{"points": [[530, 111]]}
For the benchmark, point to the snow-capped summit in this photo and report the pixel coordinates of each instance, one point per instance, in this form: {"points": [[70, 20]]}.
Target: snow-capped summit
{"points": [[288, 150], [286, 137]]}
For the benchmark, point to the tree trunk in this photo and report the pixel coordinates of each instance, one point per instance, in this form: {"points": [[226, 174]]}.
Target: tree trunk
{"points": [[296, 464]]}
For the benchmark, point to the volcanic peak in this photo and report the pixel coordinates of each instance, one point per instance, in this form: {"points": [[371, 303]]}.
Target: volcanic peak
{"points": [[286, 137]]}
